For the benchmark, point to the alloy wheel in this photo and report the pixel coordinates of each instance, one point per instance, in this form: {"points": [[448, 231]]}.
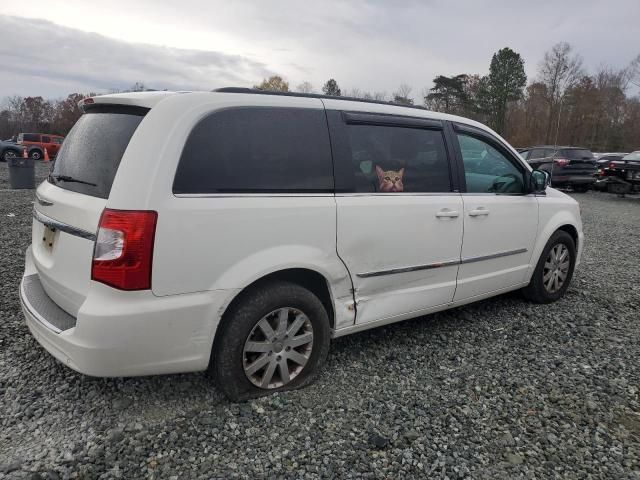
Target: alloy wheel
{"points": [[277, 348], [556, 268]]}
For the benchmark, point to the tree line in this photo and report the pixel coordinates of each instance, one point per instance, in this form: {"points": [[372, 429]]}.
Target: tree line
{"points": [[562, 104]]}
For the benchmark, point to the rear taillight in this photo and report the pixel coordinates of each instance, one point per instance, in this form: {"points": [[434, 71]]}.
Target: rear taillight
{"points": [[561, 162], [123, 252], [612, 165]]}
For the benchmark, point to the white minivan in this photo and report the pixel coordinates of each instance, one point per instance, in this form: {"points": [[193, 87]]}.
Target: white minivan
{"points": [[238, 231]]}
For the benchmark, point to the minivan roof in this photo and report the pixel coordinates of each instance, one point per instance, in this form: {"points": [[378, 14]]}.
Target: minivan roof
{"points": [[151, 99]]}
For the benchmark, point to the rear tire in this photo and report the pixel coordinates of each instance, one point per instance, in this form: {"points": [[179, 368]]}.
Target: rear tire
{"points": [[275, 338], [35, 154], [552, 275]]}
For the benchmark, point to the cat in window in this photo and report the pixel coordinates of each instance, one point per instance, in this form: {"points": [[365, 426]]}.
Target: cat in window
{"points": [[390, 180]]}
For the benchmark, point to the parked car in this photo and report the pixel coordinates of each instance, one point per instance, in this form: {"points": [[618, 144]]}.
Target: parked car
{"points": [[10, 150], [573, 167], [37, 142], [603, 159], [620, 175], [238, 231]]}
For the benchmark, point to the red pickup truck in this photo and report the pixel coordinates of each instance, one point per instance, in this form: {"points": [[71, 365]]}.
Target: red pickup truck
{"points": [[37, 142]]}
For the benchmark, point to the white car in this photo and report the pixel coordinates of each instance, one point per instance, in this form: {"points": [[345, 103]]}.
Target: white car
{"points": [[238, 231]]}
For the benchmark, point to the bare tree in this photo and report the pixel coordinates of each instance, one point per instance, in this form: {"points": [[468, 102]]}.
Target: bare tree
{"points": [[560, 70], [305, 87], [355, 93], [634, 71]]}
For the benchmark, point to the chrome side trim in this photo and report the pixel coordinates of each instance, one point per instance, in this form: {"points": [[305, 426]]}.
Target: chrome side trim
{"points": [[415, 268], [250, 195], [398, 194], [63, 227], [447, 263], [492, 256]]}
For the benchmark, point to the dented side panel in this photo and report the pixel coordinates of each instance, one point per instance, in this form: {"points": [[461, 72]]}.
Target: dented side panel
{"points": [[402, 257]]}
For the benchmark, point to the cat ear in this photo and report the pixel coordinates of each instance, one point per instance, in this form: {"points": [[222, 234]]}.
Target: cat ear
{"points": [[401, 172], [379, 172]]}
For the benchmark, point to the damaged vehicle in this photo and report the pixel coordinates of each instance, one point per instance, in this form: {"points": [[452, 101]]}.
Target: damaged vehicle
{"points": [[620, 175], [239, 231]]}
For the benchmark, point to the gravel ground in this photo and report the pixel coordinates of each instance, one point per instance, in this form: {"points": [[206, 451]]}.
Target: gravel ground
{"points": [[498, 389]]}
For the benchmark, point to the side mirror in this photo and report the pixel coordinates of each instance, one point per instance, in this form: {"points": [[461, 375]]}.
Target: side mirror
{"points": [[538, 181]]}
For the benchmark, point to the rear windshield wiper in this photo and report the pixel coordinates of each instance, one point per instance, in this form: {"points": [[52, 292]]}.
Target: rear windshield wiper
{"points": [[70, 179]]}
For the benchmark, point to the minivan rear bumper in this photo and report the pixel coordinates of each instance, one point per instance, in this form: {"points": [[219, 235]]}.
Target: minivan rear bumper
{"points": [[118, 334]]}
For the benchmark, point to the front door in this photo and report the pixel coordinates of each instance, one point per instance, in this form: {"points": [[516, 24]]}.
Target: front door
{"points": [[399, 221], [500, 219]]}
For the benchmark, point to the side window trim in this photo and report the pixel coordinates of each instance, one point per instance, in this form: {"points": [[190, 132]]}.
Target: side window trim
{"points": [[338, 120], [386, 120]]}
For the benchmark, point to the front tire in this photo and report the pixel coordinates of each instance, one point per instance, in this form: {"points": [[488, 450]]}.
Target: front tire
{"points": [[275, 338], [9, 154], [554, 270]]}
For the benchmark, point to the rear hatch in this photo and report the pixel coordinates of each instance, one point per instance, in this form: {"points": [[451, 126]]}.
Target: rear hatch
{"points": [[69, 203], [580, 162]]}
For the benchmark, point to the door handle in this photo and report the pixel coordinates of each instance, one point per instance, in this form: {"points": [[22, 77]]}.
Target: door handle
{"points": [[446, 213], [479, 211]]}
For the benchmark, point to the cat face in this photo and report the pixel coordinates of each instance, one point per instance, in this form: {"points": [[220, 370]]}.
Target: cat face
{"points": [[390, 180]]}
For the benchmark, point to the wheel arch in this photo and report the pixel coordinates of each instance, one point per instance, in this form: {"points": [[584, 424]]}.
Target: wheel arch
{"points": [[310, 279], [571, 230], [562, 221]]}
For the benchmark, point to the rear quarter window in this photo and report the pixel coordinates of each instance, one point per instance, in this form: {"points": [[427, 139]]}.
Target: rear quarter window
{"points": [[92, 151], [257, 150]]}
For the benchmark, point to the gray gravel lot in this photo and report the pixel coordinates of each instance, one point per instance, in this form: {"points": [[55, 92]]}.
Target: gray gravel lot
{"points": [[498, 389]]}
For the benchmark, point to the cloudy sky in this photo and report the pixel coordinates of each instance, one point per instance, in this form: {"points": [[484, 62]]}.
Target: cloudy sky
{"points": [[54, 49]]}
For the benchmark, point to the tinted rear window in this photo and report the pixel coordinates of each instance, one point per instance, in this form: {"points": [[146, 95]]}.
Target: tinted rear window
{"points": [[576, 154], [30, 137], [93, 149], [256, 150]]}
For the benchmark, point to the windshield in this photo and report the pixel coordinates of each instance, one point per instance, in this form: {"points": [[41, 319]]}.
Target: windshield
{"points": [[90, 155], [632, 156]]}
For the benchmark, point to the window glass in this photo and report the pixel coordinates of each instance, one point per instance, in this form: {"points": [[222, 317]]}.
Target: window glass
{"points": [[58, 140], [487, 170], [93, 150], [576, 154], [30, 137], [398, 159], [536, 153], [254, 150], [46, 139], [548, 152]]}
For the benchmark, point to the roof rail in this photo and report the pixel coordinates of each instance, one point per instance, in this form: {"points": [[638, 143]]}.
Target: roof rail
{"points": [[310, 95]]}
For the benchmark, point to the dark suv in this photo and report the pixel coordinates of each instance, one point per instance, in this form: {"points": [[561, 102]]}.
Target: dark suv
{"points": [[568, 166]]}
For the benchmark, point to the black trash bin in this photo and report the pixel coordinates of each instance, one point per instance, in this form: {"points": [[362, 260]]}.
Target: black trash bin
{"points": [[22, 173]]}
